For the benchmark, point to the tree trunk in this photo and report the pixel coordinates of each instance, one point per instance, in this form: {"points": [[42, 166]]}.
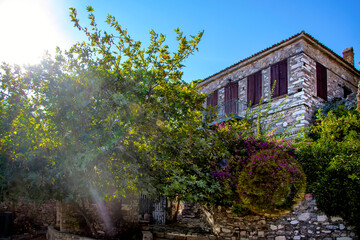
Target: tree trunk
{"points": [[177, 210], [84, 214]]}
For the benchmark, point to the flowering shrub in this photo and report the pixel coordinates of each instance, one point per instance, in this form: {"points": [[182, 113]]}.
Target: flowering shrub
{"points": [[259, 175], [269, 179]]}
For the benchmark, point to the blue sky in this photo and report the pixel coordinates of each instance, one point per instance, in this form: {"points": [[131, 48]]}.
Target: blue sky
{"points": [[233, 30]]}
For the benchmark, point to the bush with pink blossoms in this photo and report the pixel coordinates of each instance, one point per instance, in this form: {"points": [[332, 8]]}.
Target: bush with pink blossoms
{"points": [[270, 179], [258, 174]]}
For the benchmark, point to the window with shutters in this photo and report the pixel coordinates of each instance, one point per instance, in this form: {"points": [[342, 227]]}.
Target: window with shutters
{"points": [[279, 76], [321, 81], [231, 98], [212, 99], [254, 88]]}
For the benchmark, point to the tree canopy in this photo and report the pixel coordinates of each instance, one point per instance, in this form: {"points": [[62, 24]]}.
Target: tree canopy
{"points": [[98, 116]]}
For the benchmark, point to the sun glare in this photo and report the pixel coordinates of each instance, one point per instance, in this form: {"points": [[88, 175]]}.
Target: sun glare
{"points": [[28, 29]]}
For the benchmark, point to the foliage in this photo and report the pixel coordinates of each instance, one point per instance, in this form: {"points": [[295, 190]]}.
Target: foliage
{"points": [[209, 170], [269, 179], [254, 163], [335, 105], [110, 117], [104, 118], [330, 156], [99, 115]]}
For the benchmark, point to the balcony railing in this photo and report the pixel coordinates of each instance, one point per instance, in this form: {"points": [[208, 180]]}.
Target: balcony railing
{"points": [[231, 108]]}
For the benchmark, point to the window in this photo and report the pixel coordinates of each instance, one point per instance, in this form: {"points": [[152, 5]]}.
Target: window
{"points": [[212, 99], [254, 88], [279, 74], [231, 98], [321, 81]]}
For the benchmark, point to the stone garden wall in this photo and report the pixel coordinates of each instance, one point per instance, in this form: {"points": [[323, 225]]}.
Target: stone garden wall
{"points": [[107, 218], [30, 215], [304, 222]]}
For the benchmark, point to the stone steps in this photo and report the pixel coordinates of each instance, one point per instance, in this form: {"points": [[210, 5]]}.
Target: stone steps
{"points": [[188, 227], [184, 229]]}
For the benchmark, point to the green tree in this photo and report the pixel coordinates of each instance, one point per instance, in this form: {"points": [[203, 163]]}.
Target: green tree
{"points": [[331, 160], [97, 118]]}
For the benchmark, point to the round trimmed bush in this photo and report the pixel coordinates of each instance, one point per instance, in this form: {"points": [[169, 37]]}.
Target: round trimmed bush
{"points": [[271, 179]]}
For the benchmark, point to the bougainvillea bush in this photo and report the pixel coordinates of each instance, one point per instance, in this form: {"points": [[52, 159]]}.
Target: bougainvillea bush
{"points": [[270, 178], [261, 175]]}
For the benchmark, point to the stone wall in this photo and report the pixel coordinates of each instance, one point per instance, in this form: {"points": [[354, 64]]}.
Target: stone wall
{"points": [[130, 209], [302, 55], [31, 215], [107, 218], [344, 74], [304, 222]]}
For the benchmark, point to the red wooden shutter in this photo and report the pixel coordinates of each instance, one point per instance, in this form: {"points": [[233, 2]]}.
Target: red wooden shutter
{"points": [[212, 99], [275, 77], [215, 98], [227, 99], [283, 77], [250, 89], [258, 87], [321, 81], [235, 90], [231, 96], [208, 100], [254, 88], [279, 73], [227, 93], [234, 97]]}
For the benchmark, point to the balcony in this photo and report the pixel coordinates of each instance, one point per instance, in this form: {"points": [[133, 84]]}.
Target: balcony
{"points": [[233, 108]]}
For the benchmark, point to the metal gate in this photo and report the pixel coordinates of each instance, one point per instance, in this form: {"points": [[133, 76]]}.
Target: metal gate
{"points": [[156, 206]]}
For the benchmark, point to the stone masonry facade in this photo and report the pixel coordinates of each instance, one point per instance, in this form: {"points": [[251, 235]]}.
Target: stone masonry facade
{"points": [[304, 222], [302, 53]]}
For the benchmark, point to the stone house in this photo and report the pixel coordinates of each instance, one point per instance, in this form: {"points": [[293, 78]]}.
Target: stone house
{"points": [[302, 68]]}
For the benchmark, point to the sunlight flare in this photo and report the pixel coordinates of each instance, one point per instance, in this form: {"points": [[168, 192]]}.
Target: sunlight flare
{"points": [[28, 29]]}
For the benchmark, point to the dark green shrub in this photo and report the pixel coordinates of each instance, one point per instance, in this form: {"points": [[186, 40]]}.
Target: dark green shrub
{"points": [[330, 156]]}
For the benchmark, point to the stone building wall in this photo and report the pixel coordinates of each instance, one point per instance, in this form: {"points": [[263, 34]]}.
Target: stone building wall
{"points": [[304, 222], [302, 55], [345, 75]]}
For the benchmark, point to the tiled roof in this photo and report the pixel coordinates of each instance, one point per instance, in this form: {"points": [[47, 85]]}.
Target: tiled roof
{"points": [[278, 44]]}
